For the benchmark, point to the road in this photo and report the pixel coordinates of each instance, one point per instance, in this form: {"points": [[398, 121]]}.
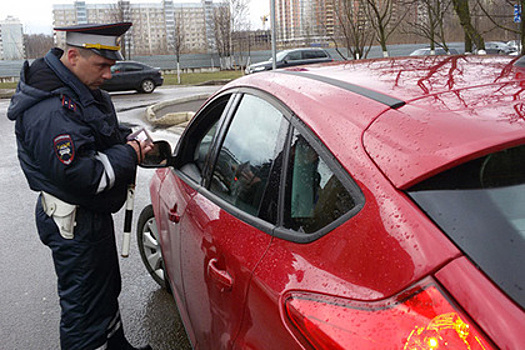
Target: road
{"points": [[30, 312]]}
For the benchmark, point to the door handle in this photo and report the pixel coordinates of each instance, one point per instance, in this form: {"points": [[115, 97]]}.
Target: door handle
{"points": [[173, 215], [223, 278]]}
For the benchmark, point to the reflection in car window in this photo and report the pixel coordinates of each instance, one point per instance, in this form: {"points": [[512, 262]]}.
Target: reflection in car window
{"points": [[247, 157], [195, 148], [204, 147], [314, 197]]}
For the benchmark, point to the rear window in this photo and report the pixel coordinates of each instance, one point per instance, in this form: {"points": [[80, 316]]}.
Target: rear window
{"points": [[480, 205], [311, 54]]}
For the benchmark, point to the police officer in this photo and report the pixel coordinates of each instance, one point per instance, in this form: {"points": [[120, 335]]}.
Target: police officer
{"points": [[76, 156]]}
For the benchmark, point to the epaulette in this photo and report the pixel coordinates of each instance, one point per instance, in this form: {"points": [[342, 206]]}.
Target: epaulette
{"points": [[68, 103]]}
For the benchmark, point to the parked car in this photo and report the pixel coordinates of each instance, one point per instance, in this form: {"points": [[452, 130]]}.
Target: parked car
{"points": [[498, 48], [294, 57], [437, 51], [373, 204], [515, 44], [131, 75]]}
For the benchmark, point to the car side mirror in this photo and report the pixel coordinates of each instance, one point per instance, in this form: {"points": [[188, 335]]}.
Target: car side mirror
{"points": [[160, 156]]}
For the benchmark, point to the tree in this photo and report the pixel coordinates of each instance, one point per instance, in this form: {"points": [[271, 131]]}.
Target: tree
{"points": [[37, 45], [429, 20], [384, 19], [471, 34], [352, 29], [496, 16], [120, 12], [230, 16], [178, 39], [222, 32]]}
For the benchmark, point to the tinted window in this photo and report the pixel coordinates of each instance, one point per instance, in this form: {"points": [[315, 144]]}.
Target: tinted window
{"points": [[131, 67], [248, 156], [311, 54], [294, 56], [314, 197], [480, 206]]}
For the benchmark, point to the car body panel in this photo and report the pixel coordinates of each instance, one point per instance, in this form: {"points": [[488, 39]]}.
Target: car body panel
{"points": [[213, 241], [410, 78], [482, 300], [440, 139], [441, 147], [455, 108], [175, 195], [372, 256]]}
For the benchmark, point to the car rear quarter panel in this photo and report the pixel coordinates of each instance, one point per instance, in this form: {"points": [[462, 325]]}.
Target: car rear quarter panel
{"points": [[386, 247], [500, 318]]}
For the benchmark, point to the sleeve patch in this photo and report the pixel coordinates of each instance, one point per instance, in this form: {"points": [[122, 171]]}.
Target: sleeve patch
{"points": [[64, 148]]}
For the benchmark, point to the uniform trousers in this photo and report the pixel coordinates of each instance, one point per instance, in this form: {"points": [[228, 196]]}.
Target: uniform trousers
{"points": [[88, 279]]}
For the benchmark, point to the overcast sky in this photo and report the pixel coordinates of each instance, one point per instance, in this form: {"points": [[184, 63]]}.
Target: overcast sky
{"points": [[37, 15]]}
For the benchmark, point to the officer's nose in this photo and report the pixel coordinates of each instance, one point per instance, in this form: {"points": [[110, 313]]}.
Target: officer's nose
{"points": [[107, 73]]}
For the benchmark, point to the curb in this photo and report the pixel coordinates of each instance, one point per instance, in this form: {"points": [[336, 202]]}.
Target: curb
{"points": [[6, 93], [171, 119]]}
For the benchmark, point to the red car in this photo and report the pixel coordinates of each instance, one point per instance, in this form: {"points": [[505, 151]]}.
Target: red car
{"points": [[376, 204]]}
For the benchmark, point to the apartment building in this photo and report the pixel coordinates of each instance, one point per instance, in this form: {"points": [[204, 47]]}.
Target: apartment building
{"points": [[11, 39], [156, 26], [304, 22]]}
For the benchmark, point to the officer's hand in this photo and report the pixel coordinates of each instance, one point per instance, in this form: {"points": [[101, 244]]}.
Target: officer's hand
{"points": [[141, 148]]}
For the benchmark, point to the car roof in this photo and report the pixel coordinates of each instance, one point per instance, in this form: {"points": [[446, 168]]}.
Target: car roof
{"points": [[419, 115], [304, 49]]}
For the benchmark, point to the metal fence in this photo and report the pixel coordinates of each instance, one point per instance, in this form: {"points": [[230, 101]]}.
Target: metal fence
{"points": [[10, 70]]}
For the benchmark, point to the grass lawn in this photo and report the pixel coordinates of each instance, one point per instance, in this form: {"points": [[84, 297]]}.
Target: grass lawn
{"points": [[198, 78], [171, 79]]}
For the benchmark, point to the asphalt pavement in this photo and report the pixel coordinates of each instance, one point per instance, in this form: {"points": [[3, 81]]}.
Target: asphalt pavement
{"points": [[28, 297]]}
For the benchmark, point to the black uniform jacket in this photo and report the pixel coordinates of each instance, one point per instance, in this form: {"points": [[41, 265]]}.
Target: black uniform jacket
{"points": [[69, 141]]}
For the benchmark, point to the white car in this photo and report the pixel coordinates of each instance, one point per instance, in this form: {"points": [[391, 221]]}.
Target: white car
{"points": [[437, 51]]}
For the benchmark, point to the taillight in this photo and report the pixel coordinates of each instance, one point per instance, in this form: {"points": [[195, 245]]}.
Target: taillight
{"points": [[421, 319]]}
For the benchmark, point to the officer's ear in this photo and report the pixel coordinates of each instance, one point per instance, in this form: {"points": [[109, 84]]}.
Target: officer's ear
{"points": [[73, 55], [70, 57]]}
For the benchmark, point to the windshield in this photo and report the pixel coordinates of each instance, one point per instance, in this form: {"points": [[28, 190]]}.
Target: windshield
{"points": [[279, 56], [480, 205]]}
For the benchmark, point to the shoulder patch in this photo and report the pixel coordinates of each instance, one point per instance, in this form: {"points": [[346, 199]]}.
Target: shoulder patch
{"points": [[68, 103], [64, 148]]}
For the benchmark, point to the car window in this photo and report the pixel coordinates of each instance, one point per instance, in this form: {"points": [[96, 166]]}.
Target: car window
{"points": [[314, 195], [194, 148], [132, 67], [249, 155], [294, 56], [116, 68], [479, 205], [311, 54], [203, 149]]}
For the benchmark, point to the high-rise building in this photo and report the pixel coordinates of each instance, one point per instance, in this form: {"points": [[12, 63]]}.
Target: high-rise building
{"points": [[304, 22], [155, 25], [11, 39]]}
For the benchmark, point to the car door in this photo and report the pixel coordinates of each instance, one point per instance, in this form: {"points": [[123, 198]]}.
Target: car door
{"points": [[180, 186], [230, 222]]}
